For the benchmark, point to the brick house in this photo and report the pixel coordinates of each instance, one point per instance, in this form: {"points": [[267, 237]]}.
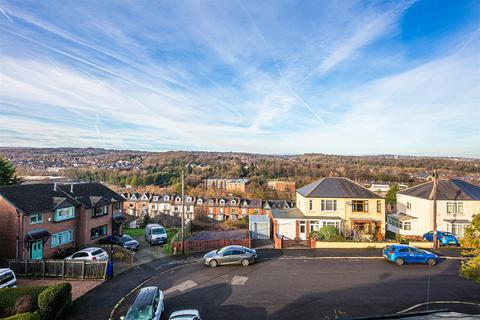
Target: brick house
{"points": [[38, 219]]}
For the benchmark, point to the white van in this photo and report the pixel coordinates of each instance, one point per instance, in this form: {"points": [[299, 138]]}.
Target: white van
{"points": [[7, 278], [155, 234]]}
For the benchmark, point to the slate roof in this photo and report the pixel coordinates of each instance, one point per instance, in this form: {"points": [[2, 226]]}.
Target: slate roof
{"points": [[336, 187], [295, 213], [452, 189], [89, 194], [31, 198]]}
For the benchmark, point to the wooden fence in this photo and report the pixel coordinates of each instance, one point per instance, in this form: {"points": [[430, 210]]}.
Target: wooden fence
{"points": [[119, 253], [60, 268], [207, 245], [284, 243]]}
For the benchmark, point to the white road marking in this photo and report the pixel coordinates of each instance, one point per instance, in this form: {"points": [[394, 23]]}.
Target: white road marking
{"points": [[238, 281], [439, 302], [181, 287]]}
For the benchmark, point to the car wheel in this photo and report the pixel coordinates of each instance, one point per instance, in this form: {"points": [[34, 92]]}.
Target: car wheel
{"points": [[431, 262], [213, 263], [245, 262], [399, 261]]}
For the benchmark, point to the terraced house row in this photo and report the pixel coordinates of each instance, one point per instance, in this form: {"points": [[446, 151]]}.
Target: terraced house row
{"points": [[36, 220], [221, 209]]}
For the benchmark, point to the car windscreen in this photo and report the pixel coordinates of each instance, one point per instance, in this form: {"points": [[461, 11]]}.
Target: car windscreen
{"points": [[158, 231], [140, 313], [6, 277], [449, 234], [125, 239], [97, 252]]}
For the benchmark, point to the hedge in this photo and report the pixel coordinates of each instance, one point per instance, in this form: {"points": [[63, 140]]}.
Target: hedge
{"points": [[55, 301], [8, 296]]}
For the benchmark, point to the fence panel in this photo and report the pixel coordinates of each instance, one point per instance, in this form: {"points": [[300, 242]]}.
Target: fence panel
{"points": [[208, 245], [59, 268]]}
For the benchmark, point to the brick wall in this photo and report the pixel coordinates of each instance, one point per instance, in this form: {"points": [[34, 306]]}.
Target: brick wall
{"points": [[8, 229]]}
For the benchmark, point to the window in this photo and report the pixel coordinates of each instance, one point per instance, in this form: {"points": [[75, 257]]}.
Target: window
{"points": [[255, 211], [61, 238], [458, 229], [189, 208], [100, 211], [130, 205], [64, 214], [360, 206], [454, 207], [210, 210], [407, 226], [379, 206], [234, 210], [311, 205], [98, 232], [409, 206], [36, 218], [116, 205], [314, 225], [221, 210], [220, 217], [329, 205], [335, 224]]}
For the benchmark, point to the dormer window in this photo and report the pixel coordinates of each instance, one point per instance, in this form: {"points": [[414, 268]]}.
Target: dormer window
{"points": [[234, 202], [133, 197], [144, 197], [155, 198], [211, 201], [189, 199], [100, 211], [222, 201], [178, 199]]}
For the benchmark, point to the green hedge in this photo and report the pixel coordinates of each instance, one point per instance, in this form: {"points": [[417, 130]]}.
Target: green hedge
{"points": [[55, 301], [8, 296]]}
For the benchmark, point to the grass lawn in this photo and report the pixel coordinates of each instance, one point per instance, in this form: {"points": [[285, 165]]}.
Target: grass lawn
{"points": [[134, 232]]}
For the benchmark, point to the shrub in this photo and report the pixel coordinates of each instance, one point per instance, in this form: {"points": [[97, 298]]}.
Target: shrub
{"points": [[55, 301], [327, 233], [470, 269], [9, 296]]}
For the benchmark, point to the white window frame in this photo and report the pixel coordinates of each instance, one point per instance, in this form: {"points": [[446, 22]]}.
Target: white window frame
{"points": [[326, 203], [454, 207]]}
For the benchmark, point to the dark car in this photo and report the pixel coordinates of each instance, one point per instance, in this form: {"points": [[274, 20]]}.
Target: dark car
{"points": [[230, 255], [128, 242]]}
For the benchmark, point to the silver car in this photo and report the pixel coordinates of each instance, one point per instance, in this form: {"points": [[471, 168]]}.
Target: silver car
{"points": [[230, 255]]}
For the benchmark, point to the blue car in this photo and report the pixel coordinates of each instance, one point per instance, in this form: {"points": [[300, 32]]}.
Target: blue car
{"points": [[401, 253], [444, 238]]}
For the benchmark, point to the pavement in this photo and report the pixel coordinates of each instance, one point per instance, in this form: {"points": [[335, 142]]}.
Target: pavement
{"points": [[288, 284], [145, 254]]}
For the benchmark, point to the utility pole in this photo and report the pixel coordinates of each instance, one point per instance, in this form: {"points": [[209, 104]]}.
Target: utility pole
{"points": [[183, 216], [433, 196]]}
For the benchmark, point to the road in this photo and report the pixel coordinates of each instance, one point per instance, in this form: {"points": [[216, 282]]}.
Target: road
{"points": [[294, 286]]}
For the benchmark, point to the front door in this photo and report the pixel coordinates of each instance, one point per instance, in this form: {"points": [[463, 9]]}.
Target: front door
{"points": [[37, 250], [303, 230]]}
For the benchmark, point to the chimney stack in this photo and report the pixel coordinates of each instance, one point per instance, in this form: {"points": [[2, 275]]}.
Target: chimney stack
{"points": [[55, 186]]}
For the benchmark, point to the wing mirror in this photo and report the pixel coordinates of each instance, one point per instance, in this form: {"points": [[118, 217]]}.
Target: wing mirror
{"points": [[122, 318]]}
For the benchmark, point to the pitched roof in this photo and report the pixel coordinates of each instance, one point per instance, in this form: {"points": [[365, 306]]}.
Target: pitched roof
{"points": [[336, 187], [452, 189], [295, 213], [30, 198]]}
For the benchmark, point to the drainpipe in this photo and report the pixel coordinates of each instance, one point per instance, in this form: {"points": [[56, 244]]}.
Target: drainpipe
{"points": [[17, 244]]}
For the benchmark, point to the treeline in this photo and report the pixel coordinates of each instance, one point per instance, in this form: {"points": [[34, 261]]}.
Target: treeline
{"points": [[122, 178]]}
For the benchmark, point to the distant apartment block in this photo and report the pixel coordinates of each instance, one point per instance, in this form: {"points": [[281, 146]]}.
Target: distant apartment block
{"points": [[39, 219], [230, 185], [281, 185]]}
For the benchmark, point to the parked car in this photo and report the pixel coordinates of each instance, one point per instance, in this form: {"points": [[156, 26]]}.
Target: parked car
{"points": [[155, 234], [127, 242], [7, 278], [444, 238], [190, 314], [400, 254], [148, 305], [92, 253], [230, 255]]}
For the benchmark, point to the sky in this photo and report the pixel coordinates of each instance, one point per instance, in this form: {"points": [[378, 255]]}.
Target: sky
{"points": [[281, 77]]}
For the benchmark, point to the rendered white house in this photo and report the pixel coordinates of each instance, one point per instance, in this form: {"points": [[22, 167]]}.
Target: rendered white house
{"points": [[457, 202]]}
